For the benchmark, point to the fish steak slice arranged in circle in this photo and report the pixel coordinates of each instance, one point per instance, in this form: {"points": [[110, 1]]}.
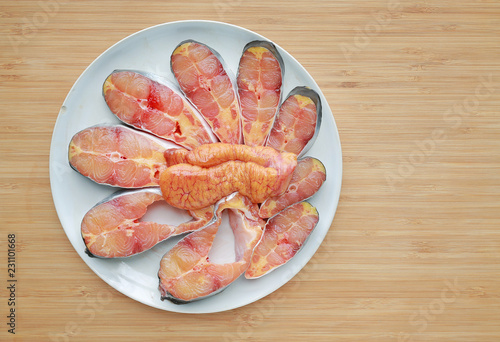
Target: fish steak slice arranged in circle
{"points": [[146, 104], [186, 272], [203, 79], [306, 180], [283, 236], [259, 89], [118, 156], [111, 229], [298, 122]]}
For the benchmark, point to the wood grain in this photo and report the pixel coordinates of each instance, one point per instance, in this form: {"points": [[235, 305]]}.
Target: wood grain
{"points": [[413, 253]]}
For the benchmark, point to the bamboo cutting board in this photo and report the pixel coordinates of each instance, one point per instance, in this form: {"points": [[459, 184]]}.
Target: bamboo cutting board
{"points": [[413, 253]]}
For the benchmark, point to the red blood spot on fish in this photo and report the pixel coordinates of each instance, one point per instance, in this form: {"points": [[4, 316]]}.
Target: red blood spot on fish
{"points": [[154, 107]]}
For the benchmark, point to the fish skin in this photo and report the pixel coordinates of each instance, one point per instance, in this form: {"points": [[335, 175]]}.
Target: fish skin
{"points": [[307, 179], [117, 156], [283, 237], [202, 78], [148, 105], [186, 273], [259, 89], [112, 229]]}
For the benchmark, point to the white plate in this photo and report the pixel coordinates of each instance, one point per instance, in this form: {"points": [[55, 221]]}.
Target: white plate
{"points": [[149, 50]]}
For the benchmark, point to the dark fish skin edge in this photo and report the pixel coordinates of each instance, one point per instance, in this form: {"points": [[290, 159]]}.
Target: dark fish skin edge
{"points": [[174, 300], [90, 254], [169, 297], [178, 301]]}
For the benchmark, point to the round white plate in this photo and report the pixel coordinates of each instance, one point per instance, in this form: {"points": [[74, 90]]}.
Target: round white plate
{"points": [[149, 50]]}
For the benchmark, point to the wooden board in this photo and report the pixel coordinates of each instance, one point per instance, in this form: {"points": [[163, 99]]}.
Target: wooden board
{"points": [[413, 253]]}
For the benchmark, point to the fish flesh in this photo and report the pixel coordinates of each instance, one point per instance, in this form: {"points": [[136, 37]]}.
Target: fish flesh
{"points": [[186, 273], [307, 178], [111, 229], [283, 236], [117, 156], [259, 81], [146, 104], [202, 78], [189, 186], [298, 122]]}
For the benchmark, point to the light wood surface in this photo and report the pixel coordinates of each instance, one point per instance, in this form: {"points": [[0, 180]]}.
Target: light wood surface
{"points": [[413, 253]]}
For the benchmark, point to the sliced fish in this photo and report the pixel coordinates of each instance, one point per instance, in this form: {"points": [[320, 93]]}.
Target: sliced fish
{"points": [[151, 105], [186, 272], [298, 122], [306, 180], [283, 236], [118, 156], [112, 229], [203, 79], [259, 81]]}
